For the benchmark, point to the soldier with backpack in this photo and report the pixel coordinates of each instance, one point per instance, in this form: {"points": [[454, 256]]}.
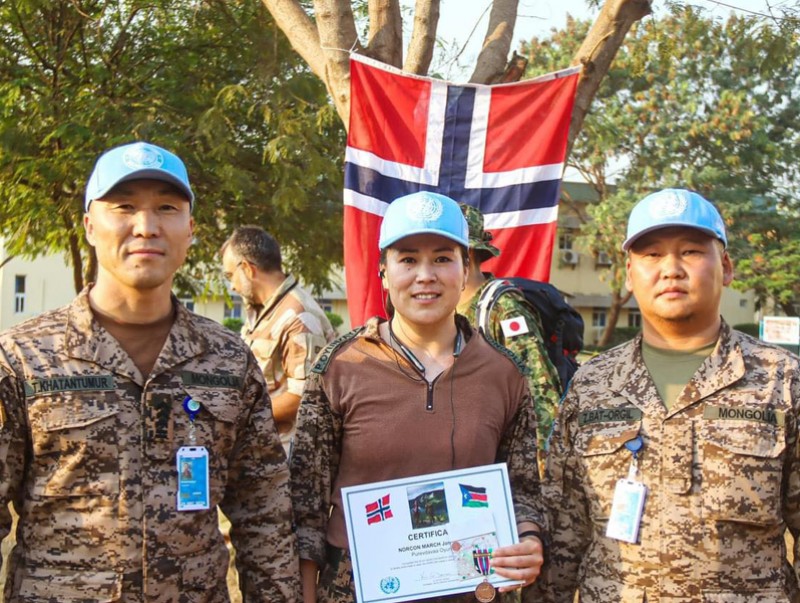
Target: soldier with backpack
{"points": [[512, 322]]}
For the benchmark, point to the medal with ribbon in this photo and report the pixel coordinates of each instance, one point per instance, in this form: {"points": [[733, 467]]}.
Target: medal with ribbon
{"points": [[484, 592]]}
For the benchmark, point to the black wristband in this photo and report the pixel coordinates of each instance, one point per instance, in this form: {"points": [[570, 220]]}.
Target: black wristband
{"points": [[537, 533]]}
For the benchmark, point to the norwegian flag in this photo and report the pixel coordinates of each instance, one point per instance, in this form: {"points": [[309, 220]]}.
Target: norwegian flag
{"points": [[379, 510], [500, 148]]}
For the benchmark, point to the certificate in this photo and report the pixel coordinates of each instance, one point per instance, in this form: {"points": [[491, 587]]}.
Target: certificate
{"points": [[430, 535]]}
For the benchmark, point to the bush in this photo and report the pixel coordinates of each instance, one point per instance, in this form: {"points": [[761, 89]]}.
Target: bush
{"points": [[623, 334], [751, 328], [335, 320], [234, 324]]}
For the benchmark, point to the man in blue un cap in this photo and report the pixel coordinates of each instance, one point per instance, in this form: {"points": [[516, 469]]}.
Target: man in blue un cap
{"points": [[674, 459], [126, 421]]}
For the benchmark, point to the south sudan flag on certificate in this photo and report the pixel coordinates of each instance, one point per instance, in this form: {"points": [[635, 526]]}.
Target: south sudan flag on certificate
{"points": [[473, 496]]}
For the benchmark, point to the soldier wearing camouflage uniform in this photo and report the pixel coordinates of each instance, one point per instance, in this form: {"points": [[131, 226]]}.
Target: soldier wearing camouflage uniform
{"points": [[700, 418], [420, 393], [285, 326], [97, 398], [528, 345]]}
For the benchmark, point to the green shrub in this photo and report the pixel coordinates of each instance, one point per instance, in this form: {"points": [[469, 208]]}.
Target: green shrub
{"points": [[335, 320], [622, 334], [234, 324], [751, 328]]}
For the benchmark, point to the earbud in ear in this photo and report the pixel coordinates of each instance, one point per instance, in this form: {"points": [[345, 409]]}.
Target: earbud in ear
{"points": [[381, 273]]}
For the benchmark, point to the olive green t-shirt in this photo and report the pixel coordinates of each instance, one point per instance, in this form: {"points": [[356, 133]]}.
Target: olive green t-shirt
{"points": [[671, 370]]}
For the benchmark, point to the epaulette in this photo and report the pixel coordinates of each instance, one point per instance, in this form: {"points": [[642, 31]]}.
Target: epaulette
{"points": [[325, 356], [523, 368]]}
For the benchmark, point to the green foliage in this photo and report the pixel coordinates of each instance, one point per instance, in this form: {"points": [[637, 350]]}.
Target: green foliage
{"points": [[751, 328], [623, 334], [335, 320], [214, 81], [232, 323], [702, 104]]}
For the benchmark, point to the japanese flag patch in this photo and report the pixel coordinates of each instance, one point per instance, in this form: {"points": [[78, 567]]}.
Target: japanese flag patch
{"points": [[514, 326]]}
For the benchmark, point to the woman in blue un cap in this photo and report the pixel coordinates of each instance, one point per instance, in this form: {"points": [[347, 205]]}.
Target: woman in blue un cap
{"points": [[418, 393]]}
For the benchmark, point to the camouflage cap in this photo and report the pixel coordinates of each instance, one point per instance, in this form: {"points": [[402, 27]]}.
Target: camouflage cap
{"points": [[479, 239]]}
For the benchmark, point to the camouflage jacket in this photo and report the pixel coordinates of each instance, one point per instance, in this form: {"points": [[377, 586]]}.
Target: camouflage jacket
{"points": [[88, 458], [367, 416], [528, 347], [286, 334], [721, 469]]}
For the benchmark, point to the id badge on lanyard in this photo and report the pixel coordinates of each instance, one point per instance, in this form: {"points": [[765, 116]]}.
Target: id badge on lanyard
{"points": [[194, 493], [627, 506]]}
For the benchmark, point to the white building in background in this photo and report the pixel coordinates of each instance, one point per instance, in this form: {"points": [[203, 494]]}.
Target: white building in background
{"points": [[30, 287]]}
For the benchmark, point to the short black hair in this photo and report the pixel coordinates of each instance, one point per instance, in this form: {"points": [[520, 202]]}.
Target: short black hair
{"points": [[257, 246]]}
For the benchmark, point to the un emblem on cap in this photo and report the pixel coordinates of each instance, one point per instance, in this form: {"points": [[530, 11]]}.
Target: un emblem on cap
{"points": [[668, 205], [424, 209], [143, 157]]}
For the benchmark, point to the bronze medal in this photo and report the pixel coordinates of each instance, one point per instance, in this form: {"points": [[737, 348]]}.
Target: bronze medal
{"points": [[485, 592]]}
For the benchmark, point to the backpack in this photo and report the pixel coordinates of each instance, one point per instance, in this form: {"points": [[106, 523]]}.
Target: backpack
{"points": [[562, 325]]}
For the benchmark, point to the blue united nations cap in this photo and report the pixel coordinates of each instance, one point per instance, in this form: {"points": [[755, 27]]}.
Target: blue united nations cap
{"points": [[674, 207], [132, 162], [423, 213]]}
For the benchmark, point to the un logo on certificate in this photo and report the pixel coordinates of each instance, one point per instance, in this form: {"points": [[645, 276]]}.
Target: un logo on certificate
{"points": [[390, 585]]}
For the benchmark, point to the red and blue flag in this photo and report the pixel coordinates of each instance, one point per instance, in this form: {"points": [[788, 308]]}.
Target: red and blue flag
{"points": [[379, 510], [500, 148]]}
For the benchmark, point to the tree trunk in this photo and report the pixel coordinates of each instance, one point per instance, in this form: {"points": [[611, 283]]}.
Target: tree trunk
{"points": [[337, 37], [385, 40], [617, 301], [789, 308], [598, 50], [493, 57], [301, 31], [423, 37], [77, 262], [90, 271]]}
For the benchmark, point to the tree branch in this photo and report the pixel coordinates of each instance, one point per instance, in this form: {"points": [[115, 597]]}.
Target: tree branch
{"points": [[385, 41], [423, 37], [301, 32], [494, 54], [598, 51], [337, 35]]}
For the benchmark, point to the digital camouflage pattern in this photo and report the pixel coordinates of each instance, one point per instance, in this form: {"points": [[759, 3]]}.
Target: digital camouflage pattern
{"points": [[528, 347], [360, 386], [88, 458], [721, 468], [286, 334]]}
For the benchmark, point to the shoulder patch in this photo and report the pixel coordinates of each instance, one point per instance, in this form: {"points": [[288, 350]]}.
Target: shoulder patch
{"points": [[521, 366], [326, 355]]}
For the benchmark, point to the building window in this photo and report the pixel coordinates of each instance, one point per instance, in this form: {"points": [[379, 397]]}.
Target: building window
{"points": [[19, 294], [598, 317], [565, 241], [188, 303], [325, 304], [634, 319], [742, 303], [234, 310]]}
